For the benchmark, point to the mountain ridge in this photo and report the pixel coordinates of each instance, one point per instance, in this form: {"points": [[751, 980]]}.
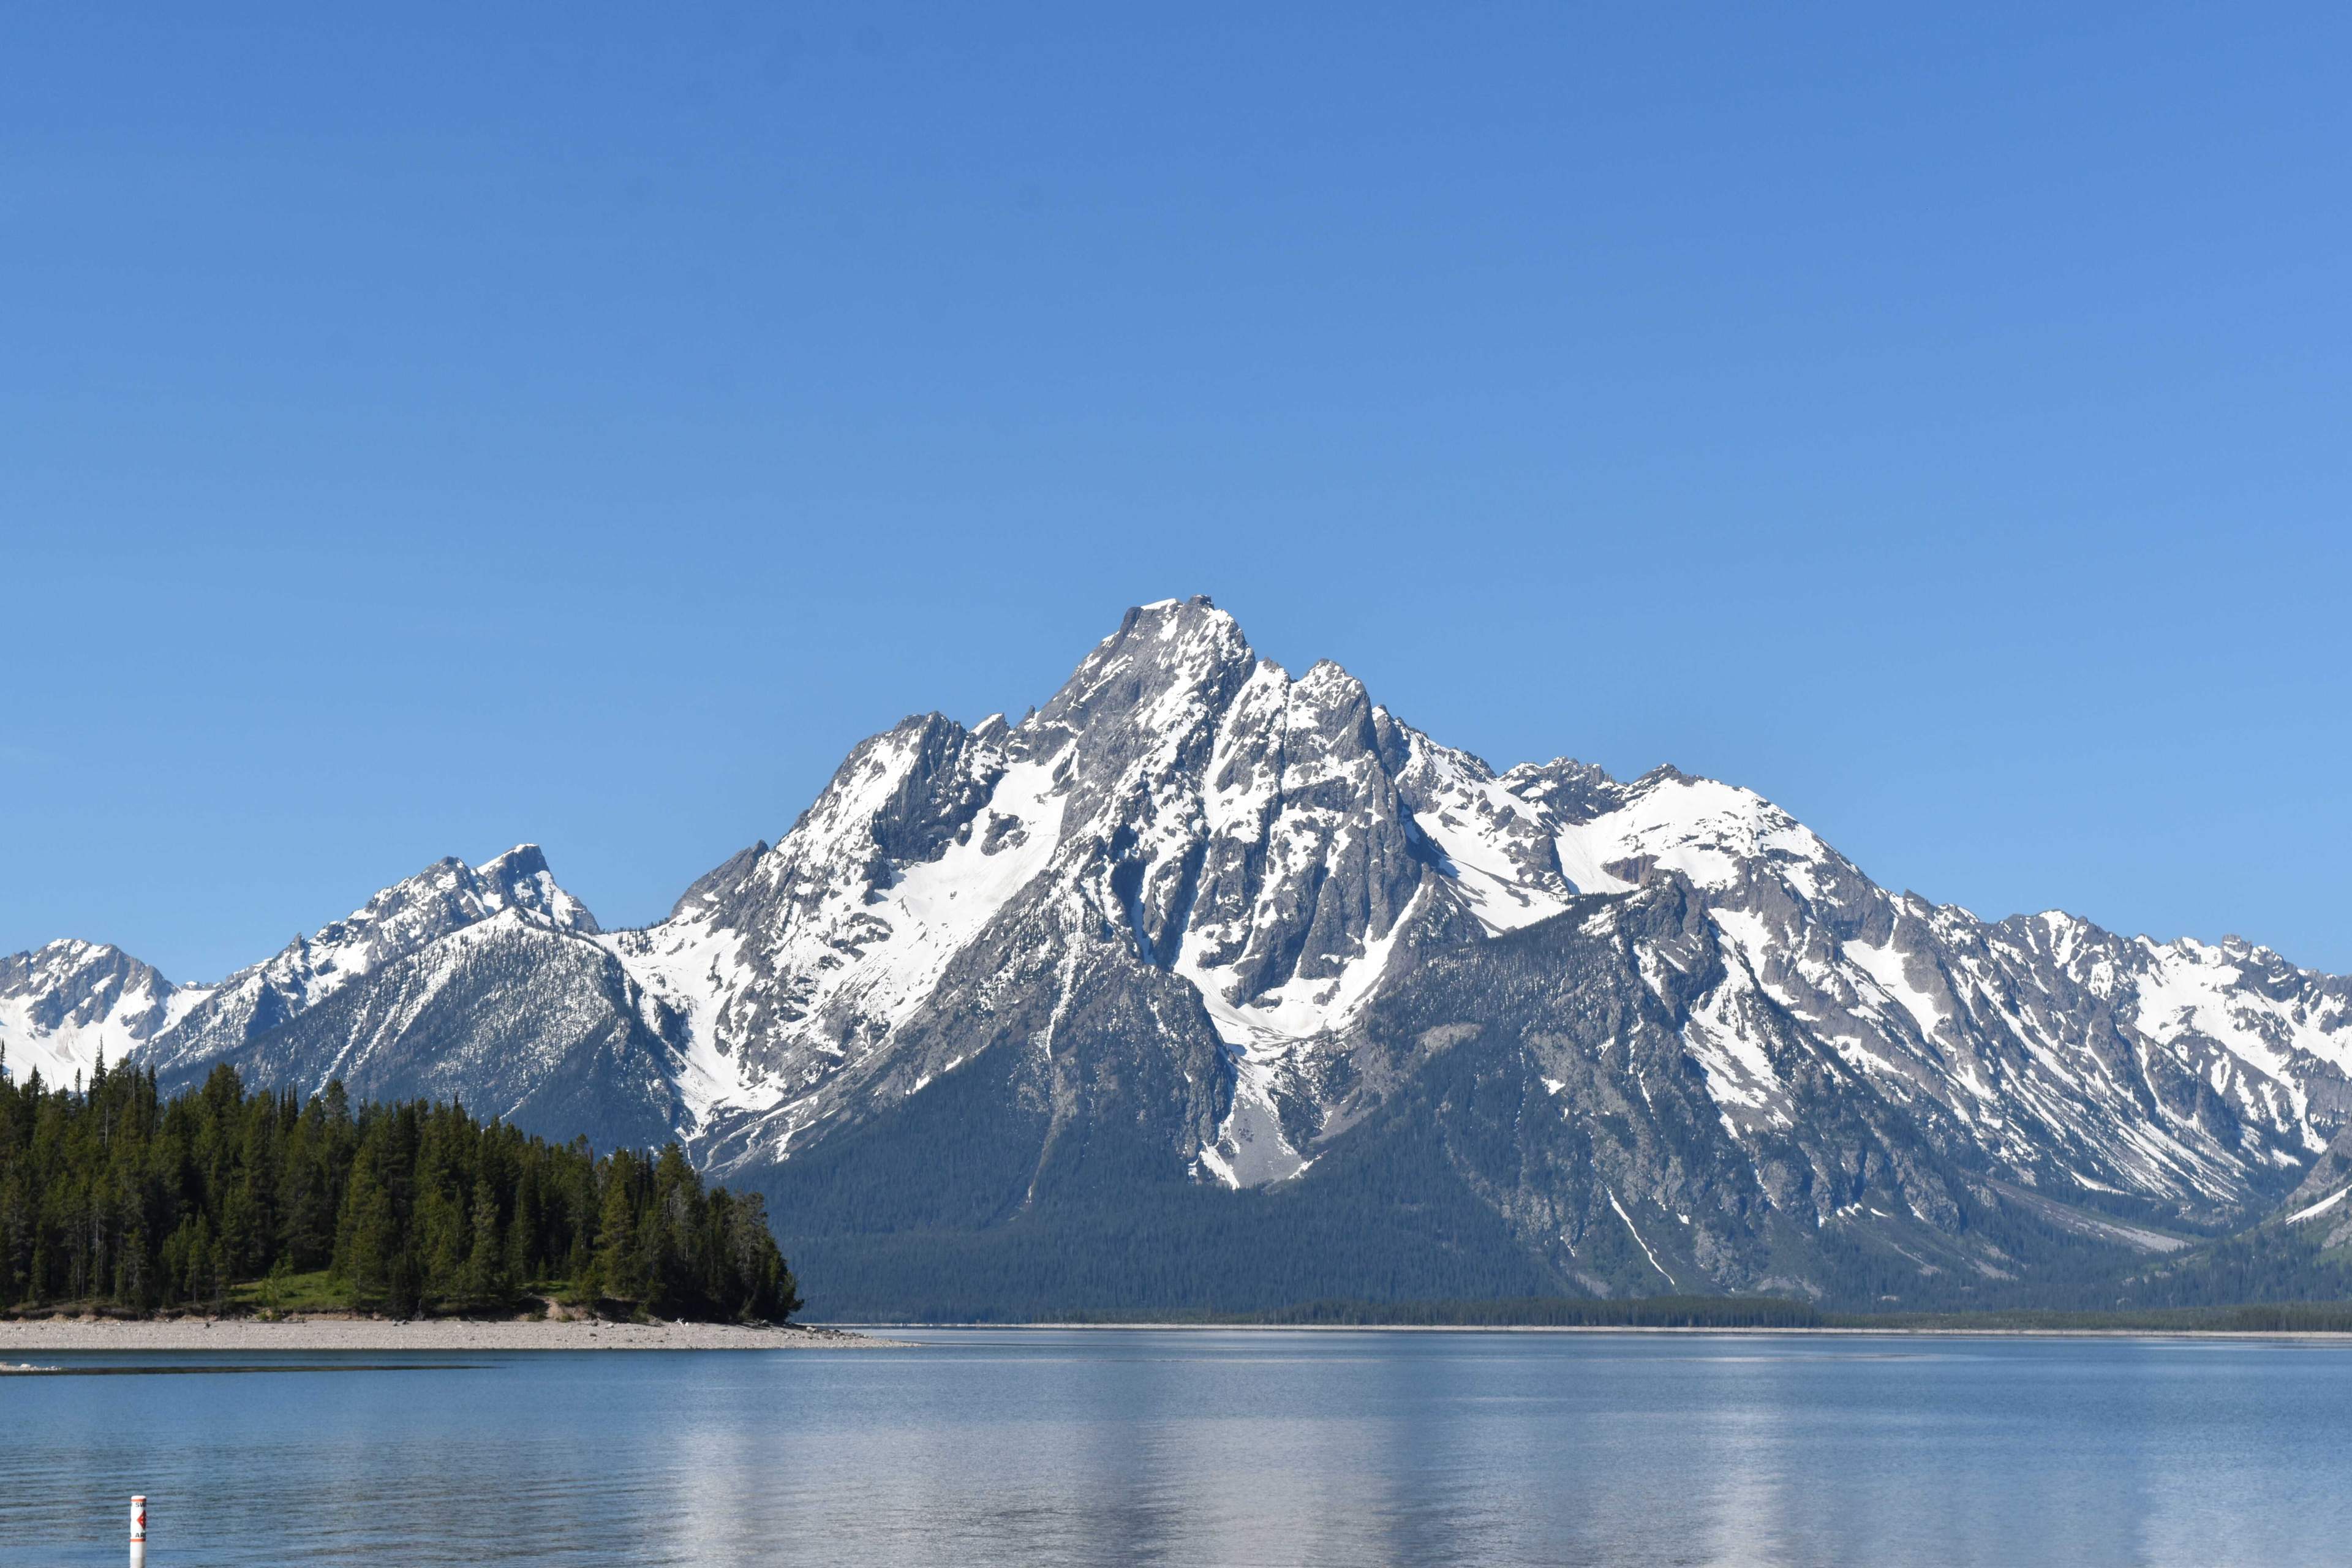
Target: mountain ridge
{"points": [[1207, 926]]}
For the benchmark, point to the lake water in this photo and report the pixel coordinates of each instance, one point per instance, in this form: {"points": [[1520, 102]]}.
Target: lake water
{"points": [[1041, 1447]]}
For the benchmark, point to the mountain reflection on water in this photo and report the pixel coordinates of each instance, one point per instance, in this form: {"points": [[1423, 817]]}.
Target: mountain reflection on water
{"points": [[1043, 1446]]}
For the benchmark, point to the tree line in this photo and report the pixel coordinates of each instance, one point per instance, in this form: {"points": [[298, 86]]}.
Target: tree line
{"points": [[113, 1196]]}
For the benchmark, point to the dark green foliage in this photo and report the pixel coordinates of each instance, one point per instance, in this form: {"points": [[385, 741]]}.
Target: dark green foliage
{"points": [[2261, 1318], [111, 1196]]}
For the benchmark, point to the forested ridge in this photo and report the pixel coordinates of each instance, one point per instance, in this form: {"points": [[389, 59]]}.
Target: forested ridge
{"points": [[112, 1197]]}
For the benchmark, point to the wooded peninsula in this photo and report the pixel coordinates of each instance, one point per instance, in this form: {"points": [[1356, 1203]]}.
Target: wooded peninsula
{"points": [[221, 1200]]}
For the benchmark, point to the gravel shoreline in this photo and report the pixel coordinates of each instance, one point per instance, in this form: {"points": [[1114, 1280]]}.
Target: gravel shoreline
{"points": [[32, 1337]]}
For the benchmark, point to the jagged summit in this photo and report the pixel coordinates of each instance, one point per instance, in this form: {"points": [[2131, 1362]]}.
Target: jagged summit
{"points": [[66, 1004], [1196, 923], [59, 1008], [1287, 849]]}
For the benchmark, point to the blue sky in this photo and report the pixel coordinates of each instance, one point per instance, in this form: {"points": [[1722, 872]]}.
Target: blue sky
{"points": [[425, 432]]}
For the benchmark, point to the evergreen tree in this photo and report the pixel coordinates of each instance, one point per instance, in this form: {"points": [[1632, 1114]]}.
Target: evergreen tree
{"points": [[110, 1195], [486, 1264], [368, 1239], [620, 1265]]}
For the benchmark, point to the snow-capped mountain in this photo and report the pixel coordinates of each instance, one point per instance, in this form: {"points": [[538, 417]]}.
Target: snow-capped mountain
{"points": [[65, 1006], [1240, 961], [444, 898], [1284, 846], [1235, 916], [483, 982]]}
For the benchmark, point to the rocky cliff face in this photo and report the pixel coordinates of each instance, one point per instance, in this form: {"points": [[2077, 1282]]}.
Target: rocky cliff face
{"points": [[1198, 927], [1234, 918], [444, 898]]}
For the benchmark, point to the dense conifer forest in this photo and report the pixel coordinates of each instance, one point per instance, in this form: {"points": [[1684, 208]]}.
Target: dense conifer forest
{"points": [[113, 1197]]}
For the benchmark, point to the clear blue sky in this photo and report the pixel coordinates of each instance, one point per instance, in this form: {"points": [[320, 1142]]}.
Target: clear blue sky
{"points": [[426, 431]]}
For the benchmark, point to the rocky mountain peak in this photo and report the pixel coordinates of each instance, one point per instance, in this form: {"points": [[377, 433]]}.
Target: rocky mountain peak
{"points": [[444, 898], [1198, 922], [67, 1003], [1168, 668], [520, 880]]}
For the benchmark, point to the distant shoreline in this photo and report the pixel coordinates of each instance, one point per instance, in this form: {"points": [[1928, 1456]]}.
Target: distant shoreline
{"points": [[24, 1338], [1719, 1330], [33, 1336]]}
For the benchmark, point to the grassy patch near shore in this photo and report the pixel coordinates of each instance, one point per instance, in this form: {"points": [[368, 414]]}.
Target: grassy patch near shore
{"points": [[314, 1293], [317, 1291]]}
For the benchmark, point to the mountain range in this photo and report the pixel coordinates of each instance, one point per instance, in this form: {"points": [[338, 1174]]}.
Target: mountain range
{"points": [[1210, 987]]}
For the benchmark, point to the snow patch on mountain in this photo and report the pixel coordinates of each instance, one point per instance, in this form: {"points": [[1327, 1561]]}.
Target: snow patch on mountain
{"points": [[1250, 1149], [2224, 993], [1711, 833], [1495, 843], [696, 971], [1889, 971], [2313, 1211], [936, 907], [1300, 1008]]}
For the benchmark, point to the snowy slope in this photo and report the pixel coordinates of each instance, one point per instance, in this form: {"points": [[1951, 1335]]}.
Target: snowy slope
{"points": [[1195, 811], [445, 897], [1202, 920], [1287, 849], [66, 1006]]}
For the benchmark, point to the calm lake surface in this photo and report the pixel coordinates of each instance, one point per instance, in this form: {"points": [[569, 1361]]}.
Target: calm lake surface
{"points": [[1041, 1447]]}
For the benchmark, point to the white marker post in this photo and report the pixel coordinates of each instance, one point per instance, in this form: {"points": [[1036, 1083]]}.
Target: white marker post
{"points": [[138, 1532]]}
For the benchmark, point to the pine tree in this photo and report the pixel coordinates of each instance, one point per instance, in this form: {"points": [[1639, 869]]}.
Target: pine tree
{"points": [[366, 1243], [110, 1195], [486, 1264], [619, 1270], [522, 1232]]}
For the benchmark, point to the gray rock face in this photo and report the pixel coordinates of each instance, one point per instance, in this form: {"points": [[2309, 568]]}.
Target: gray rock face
{"points": [[1723, 1037], [444, 898], [513, 1018], [1200, 927], [485, 983]]}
